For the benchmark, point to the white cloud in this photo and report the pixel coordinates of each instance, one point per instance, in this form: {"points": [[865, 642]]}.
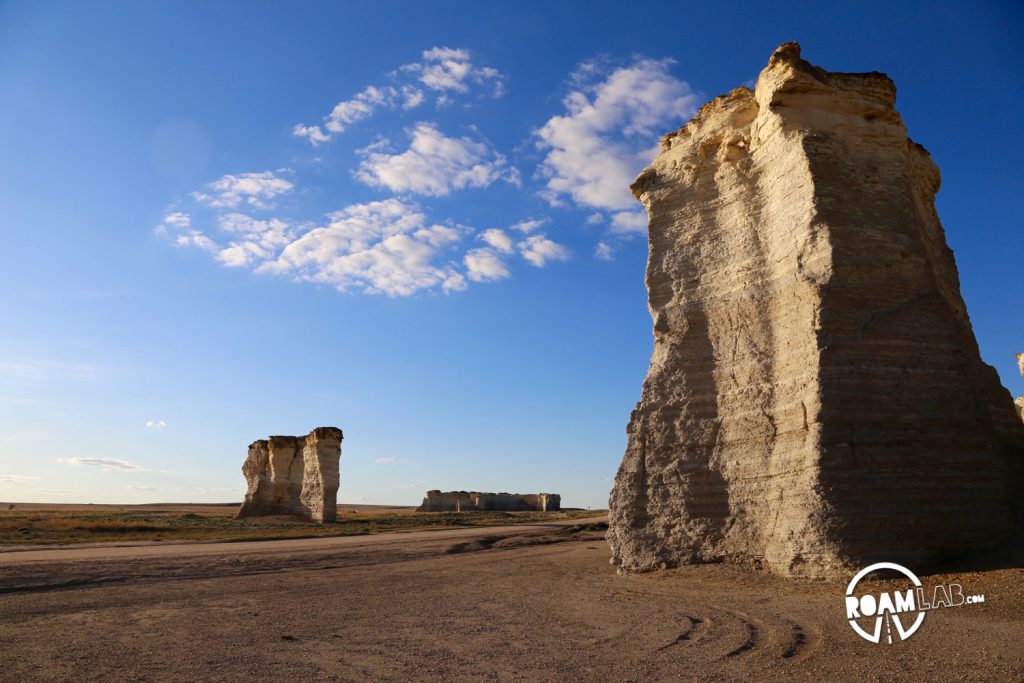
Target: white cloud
{"points": [[610, 131], [529, 226], [412, 97], [538, 250], [361, 106], [392, 461], [484, 265], [380, 247], [143, 488], [103, 463], [625, 222], [434, 164], [446, 69], [178, 219], [499, 239], [595, 218], [254, 240], [442, 72], [604, 252], [196, 239], [15, 478], [177, 226], [156, 424], [255, 190], [314, 134]]}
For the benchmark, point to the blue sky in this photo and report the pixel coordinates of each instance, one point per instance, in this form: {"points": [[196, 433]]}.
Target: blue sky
{"points": [[409, 220]]}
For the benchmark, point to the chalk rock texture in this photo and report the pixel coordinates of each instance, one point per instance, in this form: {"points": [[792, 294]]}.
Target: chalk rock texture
{"points": [[1020, 399], [465, 501], [294, 475], [815, 399]]}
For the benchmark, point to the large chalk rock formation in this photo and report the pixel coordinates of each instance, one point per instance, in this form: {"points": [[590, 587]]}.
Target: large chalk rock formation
{"points": [[815, 399], [464, 501], [294, 475]]}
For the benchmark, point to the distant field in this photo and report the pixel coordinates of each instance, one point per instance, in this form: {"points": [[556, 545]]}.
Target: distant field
{"points": [[33, 524]]}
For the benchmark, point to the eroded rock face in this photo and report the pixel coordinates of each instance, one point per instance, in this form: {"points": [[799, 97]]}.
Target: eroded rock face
{"points": [[294, 475], [815, 399], [465, 501], [1019, 403]]}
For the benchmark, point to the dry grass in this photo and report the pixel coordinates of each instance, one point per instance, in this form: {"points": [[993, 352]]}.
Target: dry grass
{"points": [[41, 526]]}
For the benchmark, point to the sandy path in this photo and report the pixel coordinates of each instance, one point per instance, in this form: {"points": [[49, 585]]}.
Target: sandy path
{"points": [[437, 606], [79, 553]]}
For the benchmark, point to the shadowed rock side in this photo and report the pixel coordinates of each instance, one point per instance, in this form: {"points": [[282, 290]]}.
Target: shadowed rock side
{"points": [[815, 399], [1020, 399], [294, 475], [464, 501]]}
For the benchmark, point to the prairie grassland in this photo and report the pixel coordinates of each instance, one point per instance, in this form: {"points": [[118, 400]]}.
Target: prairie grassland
{"points": [[35, 525]]}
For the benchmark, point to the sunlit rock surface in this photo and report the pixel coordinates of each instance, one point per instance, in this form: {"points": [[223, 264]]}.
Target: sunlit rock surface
{"points": [[294, 475], [815, 399]]}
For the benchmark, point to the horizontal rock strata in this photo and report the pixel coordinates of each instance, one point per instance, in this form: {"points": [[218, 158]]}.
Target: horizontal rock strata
{"points": [[816, 399], [294, 475], [464, 501]]}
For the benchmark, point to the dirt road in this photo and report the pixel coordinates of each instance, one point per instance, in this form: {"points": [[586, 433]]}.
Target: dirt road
{"points": [[531, 603]]}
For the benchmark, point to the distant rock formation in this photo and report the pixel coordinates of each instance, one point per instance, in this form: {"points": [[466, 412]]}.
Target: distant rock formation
{"points": [[815, 399], [294, 475], [1020, 399], [465, 501]]}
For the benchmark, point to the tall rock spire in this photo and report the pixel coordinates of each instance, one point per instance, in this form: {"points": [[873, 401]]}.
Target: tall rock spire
{"points": [[815, 398]]}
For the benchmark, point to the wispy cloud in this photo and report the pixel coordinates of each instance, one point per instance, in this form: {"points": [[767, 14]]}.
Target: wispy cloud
{"points": [[104, 464], [359, 107], [35, 371], [177, 227], [441, 74], [156, 424], [529, 225], [255, 190], [608, 133], [392, 461], [434, 164], [15, 478]]}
